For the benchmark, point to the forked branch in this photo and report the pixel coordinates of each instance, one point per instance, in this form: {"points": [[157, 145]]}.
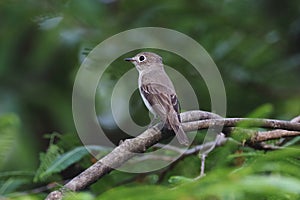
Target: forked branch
{"points": [[192, 120]]}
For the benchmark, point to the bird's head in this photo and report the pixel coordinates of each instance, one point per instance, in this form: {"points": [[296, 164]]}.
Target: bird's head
{"points": [[145, 60]]}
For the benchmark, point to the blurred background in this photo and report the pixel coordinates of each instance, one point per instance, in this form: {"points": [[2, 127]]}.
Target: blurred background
{"points": [[254, 43]]}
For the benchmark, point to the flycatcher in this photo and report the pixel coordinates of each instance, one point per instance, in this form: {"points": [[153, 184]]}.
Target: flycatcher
{"points": [[158, 92]]}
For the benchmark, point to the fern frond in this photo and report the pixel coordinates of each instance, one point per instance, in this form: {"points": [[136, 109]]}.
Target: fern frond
{"points": [[9, 127], [71, 157], [46, 160]]}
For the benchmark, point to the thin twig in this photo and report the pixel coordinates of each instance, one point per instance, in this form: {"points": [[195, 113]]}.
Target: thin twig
{"points": [[170, 147]]}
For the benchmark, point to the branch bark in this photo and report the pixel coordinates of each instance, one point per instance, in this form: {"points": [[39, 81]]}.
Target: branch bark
{"points": [[192, 120]]}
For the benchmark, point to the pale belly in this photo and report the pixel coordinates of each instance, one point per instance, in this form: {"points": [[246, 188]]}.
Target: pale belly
{"points": [[147, 104]]}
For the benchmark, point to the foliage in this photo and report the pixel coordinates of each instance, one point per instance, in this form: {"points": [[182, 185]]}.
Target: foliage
{"points": [[262, 175], [47, 159], [9, 127], [255, 44], [54, 161]]}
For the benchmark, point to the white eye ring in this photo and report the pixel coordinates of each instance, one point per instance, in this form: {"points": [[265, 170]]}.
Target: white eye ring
{"points": [[142, 58]]}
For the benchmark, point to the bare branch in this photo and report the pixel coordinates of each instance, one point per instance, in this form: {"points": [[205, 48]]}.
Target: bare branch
{"points": [[193, 120], [231, 122], [296, 119], [274, 134], [195, 115]]}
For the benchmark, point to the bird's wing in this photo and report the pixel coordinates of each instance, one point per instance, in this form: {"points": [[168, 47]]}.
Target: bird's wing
{"points": [[165, 103], [161, 98]]}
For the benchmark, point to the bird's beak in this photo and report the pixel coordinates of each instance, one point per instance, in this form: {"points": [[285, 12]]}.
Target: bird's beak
{"points": [[129, 59]]}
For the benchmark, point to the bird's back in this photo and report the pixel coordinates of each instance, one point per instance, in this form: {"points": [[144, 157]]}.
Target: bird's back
{"points": [[157, 76]]}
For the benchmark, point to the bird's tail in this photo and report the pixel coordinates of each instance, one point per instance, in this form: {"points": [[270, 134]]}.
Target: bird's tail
{"points": [[173, 121]]}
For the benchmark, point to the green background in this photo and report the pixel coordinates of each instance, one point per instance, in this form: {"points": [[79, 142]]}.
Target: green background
{"points": [[254, 43]]}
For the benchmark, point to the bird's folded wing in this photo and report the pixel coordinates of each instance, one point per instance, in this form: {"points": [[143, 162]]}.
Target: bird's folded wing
{"points": [[160, 96]]}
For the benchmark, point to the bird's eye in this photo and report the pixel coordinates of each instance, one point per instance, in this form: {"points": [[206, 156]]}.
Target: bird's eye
{"points": [[142, 58]]}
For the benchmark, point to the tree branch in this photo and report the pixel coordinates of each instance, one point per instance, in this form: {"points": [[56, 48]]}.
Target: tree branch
{"points": [[192, 120], [232, 122], [274, 134]]}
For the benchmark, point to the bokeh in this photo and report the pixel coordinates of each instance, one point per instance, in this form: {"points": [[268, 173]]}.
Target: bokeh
{"points": [[254, 43]]}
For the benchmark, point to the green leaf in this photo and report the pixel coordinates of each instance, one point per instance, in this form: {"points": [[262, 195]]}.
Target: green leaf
{"points": [[10, 185], [263, 111], [46, 160], [139, 192], [22, 196], [8, 174], [177, 180], [65, 160], [293, 141], [9, 127], [78, 195], [263, 183]]}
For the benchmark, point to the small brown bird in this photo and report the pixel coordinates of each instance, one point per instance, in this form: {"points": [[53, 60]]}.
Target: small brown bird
{"points": [[158, 92]]}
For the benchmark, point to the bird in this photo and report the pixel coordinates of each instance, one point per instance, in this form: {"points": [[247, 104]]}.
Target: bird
{"points": [[158, 92]]}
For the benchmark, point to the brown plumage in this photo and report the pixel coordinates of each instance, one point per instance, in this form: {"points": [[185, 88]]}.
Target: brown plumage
{"points": [[158, 92]]}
